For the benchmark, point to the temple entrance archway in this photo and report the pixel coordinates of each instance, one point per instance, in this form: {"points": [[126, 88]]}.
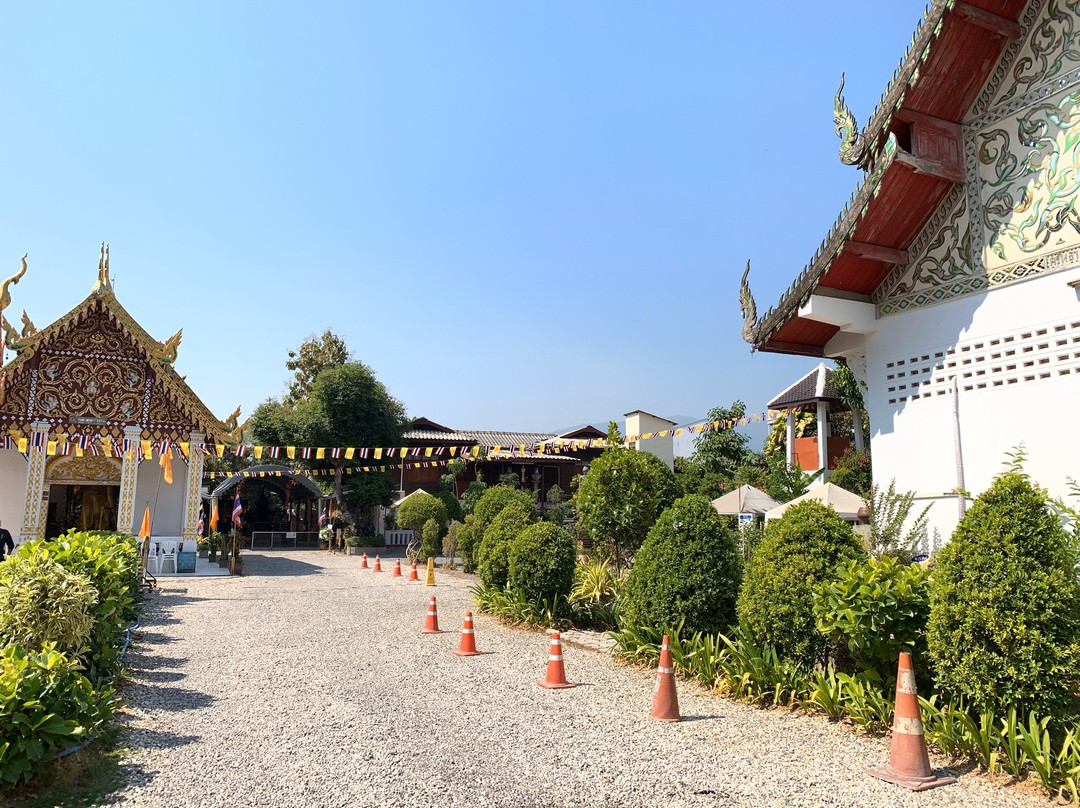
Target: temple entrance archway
{"points": [[83, 493]]}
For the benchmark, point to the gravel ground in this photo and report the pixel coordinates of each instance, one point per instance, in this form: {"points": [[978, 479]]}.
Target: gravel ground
{"points": [[306, 682]]}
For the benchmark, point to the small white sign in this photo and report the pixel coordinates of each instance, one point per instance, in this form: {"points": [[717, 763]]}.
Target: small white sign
{"points": [[745, 520], [291, 535]]}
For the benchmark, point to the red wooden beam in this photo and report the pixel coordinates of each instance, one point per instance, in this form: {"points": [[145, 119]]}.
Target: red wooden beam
{"points": [[949, 171], [877, 252], [994, 23], [801, 348], [921, 118]]}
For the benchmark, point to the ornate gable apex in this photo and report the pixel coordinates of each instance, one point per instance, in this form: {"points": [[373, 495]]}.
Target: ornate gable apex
{"points": [[158, 356]]}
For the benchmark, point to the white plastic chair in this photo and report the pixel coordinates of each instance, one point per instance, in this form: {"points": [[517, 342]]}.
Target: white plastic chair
{"points": [[168, 555]]}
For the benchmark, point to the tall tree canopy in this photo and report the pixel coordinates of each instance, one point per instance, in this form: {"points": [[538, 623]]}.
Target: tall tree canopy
{"points": [[721, 451], [343, 405], [310, 359]]}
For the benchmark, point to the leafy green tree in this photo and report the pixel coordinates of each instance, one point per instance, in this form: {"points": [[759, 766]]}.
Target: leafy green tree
{"points": [[893, 531], [722, 450], [785, 482], [473, 493], [854, 472], [621, 497], [431, 544], [495, 499], [541, 562], [558, 510], [313, 357], [494, 555], [417, 509], [693, 478]]}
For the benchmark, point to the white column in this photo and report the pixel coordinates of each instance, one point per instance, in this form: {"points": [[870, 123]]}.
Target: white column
{"points": [[194, 482], [791, 438], [856, 420], [36, 503], [823, 437], [125, 512]]}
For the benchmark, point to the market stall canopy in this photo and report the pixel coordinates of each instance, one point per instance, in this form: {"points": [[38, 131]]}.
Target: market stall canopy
{"points": [[850, 506], [744, 499]]}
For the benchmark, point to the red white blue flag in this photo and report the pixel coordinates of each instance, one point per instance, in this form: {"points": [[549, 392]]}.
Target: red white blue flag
{"points": [[237, 510], [324, 516]]}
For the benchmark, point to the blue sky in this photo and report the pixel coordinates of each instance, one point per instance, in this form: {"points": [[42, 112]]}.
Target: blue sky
{"points": [[521, 215]]}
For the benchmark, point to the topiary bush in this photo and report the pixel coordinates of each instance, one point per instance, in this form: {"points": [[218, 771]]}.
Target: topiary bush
{"points": [[1005, 605], [541, 562], [493, 561], [688, 571], [799, 551], [431, 545], [468, 540], [42, 603], [415, 511], [495, 499], [450, 545], [875, 609]]}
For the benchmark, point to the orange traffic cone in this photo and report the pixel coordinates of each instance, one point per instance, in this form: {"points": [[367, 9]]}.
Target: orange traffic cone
{"points": [[363, 561], [412, 575], [909, 763], [468, 639], [397, 569], [665, 701], [378, 565], [431, 625], [556, 676]]}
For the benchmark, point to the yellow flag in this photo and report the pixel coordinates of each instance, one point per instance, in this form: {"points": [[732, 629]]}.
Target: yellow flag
{"points": [[185, 448], [378, 454], [428, 451], [214, 518], [349, 453], [258, 450], [146, 450], [290, 452], [453, 451], [23, 444], [219, 449], [144, 531], [166, 466], [50, 448], [320, 453]]}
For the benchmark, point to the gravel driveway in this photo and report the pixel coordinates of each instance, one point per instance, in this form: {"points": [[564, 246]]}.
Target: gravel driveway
{"points": [[306, 682]]}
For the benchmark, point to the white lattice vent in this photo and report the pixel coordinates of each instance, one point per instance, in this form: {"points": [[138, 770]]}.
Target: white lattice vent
{"points": [[1033, 354]]}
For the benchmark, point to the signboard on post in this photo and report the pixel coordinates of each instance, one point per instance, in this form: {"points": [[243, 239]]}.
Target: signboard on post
{"points": [[745, 520]]}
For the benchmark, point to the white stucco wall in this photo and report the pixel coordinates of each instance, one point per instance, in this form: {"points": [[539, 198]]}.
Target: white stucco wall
{"points": [[150, 488], [640, 423], [1027, 396], [12, 491]]}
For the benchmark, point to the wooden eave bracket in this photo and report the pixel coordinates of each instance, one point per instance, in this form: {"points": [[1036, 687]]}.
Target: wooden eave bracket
{"points": [[876, 252], [987, 20], [948, 171]]}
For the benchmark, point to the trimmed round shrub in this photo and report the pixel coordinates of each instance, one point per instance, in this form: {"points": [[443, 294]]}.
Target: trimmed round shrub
{"points": [[468, 539], [493, 560], [620, 499], [1005, 605], [431, 545], [454, 511], [41, 602], [798, 553], [688, 570], [541, 562], [415, 511], [495, 499]]}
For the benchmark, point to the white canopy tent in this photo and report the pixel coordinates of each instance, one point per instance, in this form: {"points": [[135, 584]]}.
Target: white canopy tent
{"points": [[744, 499], [850, 506]]}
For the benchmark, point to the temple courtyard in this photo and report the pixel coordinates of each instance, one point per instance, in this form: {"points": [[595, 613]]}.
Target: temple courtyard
{"points": [[306, 682]]}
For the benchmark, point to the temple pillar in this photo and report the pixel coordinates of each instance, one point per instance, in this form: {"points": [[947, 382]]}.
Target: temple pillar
{"points": [[856, 419], [791, 458], [36, 504], [823, 438], [190, 528], [125, 511]]}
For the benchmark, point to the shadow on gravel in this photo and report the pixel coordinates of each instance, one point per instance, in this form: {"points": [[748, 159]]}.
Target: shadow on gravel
{"points": [[140, 738], [162, 676], [172, 699], [151, 638], [277, 567], [686, 718]]}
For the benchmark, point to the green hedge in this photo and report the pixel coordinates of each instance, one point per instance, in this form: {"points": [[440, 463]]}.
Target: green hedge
{"points": [[1005, 605], [494, 556], [43, 603], [798, 553], [688, 571], [541, 562], [495, 499]]}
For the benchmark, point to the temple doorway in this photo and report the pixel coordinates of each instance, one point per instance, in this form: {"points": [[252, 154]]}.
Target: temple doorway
{"points": [[82, 507]]}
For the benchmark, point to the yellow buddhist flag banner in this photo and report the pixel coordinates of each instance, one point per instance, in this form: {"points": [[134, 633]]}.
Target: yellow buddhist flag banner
{"points": [[147, 451], [144, 531], [378, 454], [427, 452], [453, 451], [349, 453], [219, 449], [166, 466], [320, 453], [496, 450], [50, 448], [78, 450], [23, 444], [290, 452], [214, 517], [258, 450], [107, 446], [186, 449]]}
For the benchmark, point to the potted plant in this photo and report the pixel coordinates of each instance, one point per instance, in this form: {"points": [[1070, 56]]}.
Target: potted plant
{"points": [[213, 543], [352, 545], [204, 546]]}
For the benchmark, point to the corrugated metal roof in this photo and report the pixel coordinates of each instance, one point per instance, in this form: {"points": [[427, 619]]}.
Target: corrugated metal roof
{"points": [[443, 437], [508, 439]]}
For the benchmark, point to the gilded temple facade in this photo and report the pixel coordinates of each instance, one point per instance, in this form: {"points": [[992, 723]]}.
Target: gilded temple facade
{"points": [[87, 407]]}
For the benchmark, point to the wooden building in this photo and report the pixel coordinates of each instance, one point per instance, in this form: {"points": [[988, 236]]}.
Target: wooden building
{"points": [[88, 405], [949, 281]]}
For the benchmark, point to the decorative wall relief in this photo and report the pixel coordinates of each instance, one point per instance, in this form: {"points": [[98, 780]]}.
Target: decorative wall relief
{"points": [[1051, 48]]}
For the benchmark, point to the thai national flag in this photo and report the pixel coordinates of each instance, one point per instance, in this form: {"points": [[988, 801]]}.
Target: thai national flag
{"points": [[237, 510], [324, 516], [202, 519]]}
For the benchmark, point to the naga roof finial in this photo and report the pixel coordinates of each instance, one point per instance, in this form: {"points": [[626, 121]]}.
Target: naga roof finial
{"points": [[747, 307], [852, 147], [168, 349], [104, 282], [5, 295]]}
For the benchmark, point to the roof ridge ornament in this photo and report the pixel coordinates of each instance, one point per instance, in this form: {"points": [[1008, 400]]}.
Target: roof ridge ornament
{"points": [[852, 144], [747, 306], [104, 282], [168, 349]]}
